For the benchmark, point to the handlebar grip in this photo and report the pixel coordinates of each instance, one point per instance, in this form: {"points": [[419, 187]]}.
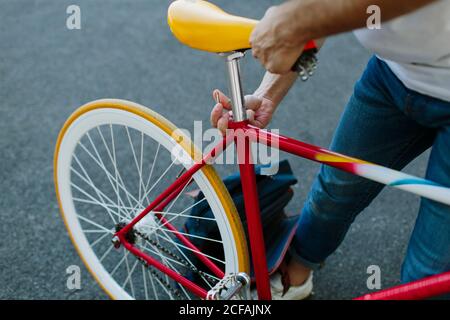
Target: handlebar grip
{"points": [[306, 64]]}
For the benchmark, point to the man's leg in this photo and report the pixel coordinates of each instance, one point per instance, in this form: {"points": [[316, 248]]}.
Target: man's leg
{"points": [[373, 128], [429, 247]]}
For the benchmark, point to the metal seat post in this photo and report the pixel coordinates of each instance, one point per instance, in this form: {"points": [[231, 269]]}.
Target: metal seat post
{"points": [[235, 86]]}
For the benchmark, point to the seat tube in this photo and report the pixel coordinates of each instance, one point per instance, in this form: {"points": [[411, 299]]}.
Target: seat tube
{"points": [[252, 211], [248, 179], [235, 86]]}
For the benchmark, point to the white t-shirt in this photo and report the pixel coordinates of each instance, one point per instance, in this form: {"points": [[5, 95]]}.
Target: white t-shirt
{"points": [[417, 48]]}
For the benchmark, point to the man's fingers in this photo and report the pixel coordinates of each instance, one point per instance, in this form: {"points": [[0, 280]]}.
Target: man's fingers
{"points": [[222, 123], [252, 102], [223, 99], [257, 123], [216, 113], [250, 115], [255, 53], [220, 120]]}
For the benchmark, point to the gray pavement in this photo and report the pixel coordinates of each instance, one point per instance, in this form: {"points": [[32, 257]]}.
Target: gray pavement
{"points": [[125, 50]]}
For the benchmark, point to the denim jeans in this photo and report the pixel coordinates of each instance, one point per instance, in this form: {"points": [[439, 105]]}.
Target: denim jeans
{"points": [[388, 124]]}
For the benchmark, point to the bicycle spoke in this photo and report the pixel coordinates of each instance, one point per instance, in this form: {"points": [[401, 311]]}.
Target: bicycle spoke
{"points": [[159, 179], [91, 197], [159, 212], [100, 160], [162, 286], [141, 183], [185, 234], [93, 244], [120, 262], [177, 262], [92, 222], [114, 163], [195, 251], [151, 170], [105, 234], [167, 260], [177, 197], [167, 279], [130, 274], [167, 238], [113, 160], [145, 248], [110, 205], [95, 231], [179, 194], [152, 283], [184, 215], [140, 163], [177, 246], [89, 182], [144, 282], [100, 194], [108, 174], [177, 215], [105, 254]]}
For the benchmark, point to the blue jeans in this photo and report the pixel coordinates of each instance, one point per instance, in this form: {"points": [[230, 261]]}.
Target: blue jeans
{"points": [[388, 124]]}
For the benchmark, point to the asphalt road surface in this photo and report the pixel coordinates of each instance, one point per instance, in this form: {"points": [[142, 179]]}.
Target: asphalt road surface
{"points": [[125, 50]]}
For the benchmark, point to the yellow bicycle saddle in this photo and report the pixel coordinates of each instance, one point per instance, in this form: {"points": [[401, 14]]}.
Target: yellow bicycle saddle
{"points": [[202, 25]]}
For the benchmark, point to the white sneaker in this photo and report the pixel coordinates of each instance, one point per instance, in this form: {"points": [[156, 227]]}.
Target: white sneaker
{"points": [[293, 293]]}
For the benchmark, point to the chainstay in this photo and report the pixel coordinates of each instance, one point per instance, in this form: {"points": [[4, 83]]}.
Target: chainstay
{"points": [[212, 281], [181, 260], [169, 287]]}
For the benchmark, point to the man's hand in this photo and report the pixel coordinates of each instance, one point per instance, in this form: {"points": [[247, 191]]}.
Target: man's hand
{"points": [[259, 111], [279, 38], [275, 42]]}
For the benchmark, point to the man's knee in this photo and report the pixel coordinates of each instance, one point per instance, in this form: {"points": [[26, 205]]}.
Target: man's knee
{"points": [[428, 251], [413, 269], [340, 195]]}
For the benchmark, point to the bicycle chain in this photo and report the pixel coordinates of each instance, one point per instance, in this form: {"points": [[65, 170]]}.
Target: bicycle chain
{"points": [[174, 291], [181, 260]]}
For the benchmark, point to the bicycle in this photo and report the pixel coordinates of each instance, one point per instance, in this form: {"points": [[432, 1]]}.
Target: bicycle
{"points": [[112, 217]]}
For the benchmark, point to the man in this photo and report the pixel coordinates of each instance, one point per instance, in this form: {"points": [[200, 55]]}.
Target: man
{"points": [[400, 107]]}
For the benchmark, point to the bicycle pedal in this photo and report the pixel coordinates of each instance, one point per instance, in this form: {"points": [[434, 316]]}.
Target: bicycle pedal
{"points": [[230, 286]]}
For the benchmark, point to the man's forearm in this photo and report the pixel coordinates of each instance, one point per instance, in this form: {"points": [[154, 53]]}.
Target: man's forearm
{"points": [[314, 19], [275, 87], [318, 19]]}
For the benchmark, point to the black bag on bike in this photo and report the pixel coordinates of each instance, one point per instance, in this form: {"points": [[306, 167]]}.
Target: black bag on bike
{"points": [[274, 194]]}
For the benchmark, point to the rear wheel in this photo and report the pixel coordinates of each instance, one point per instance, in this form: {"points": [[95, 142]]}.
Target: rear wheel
{"points": [[112, 158]]}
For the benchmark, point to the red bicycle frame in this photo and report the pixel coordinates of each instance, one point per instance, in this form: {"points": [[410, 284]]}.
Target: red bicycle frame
{"points": [[243, 135]]}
